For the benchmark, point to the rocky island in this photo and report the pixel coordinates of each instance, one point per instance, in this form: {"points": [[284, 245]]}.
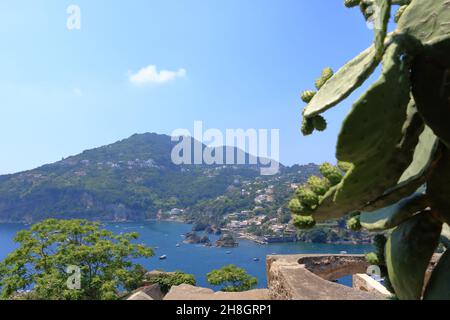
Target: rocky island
{"points": [[227, 241]]}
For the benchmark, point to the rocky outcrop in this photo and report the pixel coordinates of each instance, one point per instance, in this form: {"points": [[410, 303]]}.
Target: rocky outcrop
{"points": [[188, 292], [194, 238], [227, 241], [307, 277], [213, 230]]}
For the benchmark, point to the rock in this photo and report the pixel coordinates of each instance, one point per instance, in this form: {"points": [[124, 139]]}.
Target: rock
{"points": [[151, 292], [188, 292], [213, 230], [191, 238], [204, 240], [194, 238], [226, 241], [200, 226]]}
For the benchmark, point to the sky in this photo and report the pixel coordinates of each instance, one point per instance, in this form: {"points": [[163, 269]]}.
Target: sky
{"points": [[159, 65]]}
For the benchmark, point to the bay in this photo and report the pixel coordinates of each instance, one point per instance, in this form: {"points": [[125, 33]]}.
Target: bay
{"points": [[196, 259]]}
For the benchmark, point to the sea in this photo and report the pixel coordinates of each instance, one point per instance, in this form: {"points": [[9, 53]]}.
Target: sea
{"points": [[166, 238]]}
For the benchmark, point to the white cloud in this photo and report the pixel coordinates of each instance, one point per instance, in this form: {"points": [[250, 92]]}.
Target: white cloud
{"points": [[150, 75]]}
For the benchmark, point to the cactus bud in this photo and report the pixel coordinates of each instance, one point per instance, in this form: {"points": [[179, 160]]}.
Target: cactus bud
{"points": [[373, 259], [319, 123], [366, 8], [327, 73], [354, 223], [307, 126], [351, 3], [295, 206], [331, 173], [345, 166], [308, 95], [399, 13], [307, 197], [304, 222], [318, 185]]}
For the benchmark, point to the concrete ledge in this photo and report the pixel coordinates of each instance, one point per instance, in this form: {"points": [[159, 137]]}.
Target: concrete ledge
{"points": [[364, 282], [306, 277], [188, 292]]}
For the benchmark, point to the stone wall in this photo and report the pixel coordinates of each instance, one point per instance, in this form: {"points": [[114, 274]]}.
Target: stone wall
{"points": [[307, 277]]}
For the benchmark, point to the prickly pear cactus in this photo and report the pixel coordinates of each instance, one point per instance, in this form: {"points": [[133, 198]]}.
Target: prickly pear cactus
{"points": [[393, 151]]}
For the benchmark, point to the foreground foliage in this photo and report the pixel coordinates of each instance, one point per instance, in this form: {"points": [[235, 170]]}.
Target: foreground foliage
{"points": [[38, 268], [232, 278], [393, 149], [167, 280]]}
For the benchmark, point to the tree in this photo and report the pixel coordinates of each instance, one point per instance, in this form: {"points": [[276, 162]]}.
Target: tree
{"points": [[49, 248], [393, 150], [167, 280], [232, 278]]}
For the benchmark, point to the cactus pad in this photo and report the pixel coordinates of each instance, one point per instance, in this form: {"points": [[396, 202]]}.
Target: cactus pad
{"points": [[394, 215], [413, 177], [438, 287], [379, 156], [343, 83], [431, 87], [381, 20], [351, 3], [445, 235], [408, 253], [428, 21], [438, 187]]}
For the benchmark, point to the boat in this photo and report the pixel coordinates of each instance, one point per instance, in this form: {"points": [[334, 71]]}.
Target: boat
{"points": [[343, 252], [256, 259], [228, 252], [177, 245], [163, 257]]}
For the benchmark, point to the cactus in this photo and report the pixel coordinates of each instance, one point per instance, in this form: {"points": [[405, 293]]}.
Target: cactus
{"points": [[354, 223], [331, 173], [295, 206], [445, 235], [304, 222], [319, 186], [408, 254], [438, 287], [373, 259], [307, 126], [343, 83], [381, 20], [399, 13], [351, 3], [391, 217], [307, 95], [431, 87], [319, 123], [327, 73], [393, 150], [307, 197]]}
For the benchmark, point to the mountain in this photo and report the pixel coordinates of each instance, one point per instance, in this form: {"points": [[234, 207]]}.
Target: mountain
{"points": [[131, 179]]}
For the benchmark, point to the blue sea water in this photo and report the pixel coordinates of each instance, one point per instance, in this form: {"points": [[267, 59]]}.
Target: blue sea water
{"points": [[196, 259]]}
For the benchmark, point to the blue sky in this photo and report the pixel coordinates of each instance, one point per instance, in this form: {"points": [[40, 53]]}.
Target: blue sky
{"points": [[236, 64]]}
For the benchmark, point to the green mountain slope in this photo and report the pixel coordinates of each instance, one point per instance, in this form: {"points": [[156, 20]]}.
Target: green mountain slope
{"points": [[129, 180]]}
